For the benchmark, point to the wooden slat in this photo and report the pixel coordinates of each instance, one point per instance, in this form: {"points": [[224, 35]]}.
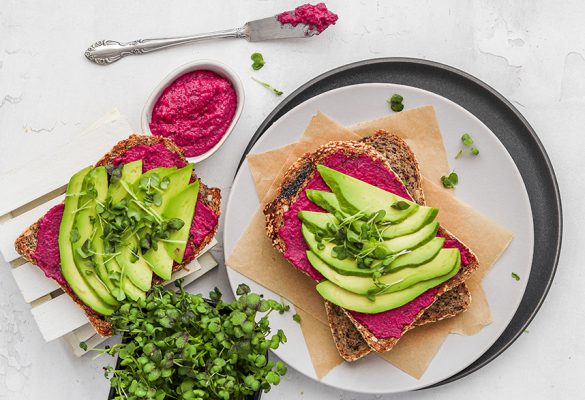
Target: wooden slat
{"points": [[58, 316], [32, 282], [12, 228], [88, 335], [45, 174], [92, 342]]}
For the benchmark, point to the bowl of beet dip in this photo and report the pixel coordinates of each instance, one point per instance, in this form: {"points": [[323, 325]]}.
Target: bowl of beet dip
{"points": [[197, 106]]}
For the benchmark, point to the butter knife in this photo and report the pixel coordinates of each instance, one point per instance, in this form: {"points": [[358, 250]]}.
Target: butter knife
{"points": [[105, 52]]}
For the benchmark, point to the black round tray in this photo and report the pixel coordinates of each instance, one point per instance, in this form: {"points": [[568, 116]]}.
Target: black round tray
{"points": [[511, 129]]}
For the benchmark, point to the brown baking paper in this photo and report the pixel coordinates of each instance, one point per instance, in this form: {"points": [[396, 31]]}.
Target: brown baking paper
{"points": [[266, 266]]}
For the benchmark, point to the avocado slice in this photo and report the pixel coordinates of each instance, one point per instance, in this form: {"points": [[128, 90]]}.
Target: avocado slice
{"points": [[344, 267], [116, 192], [404, 278], [327, 201], [100, 182], [418, 256], [317, 220], [181, 206], [137, 270], [68, 268], [415, 221], [131, 291], [178, 181], [92, 267], [407, 242], [356, 302], [355, 195], [420, 218], [132, 264], [159, 260], [130, 174]]}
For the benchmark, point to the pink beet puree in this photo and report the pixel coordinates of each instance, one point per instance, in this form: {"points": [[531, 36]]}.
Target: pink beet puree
{"points": [[46, 253], [382, 325], [195, 111], [153, 156], [316, 17]]}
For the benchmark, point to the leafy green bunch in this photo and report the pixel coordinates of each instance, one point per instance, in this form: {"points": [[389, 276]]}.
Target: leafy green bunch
{"points": [[179, 346]]}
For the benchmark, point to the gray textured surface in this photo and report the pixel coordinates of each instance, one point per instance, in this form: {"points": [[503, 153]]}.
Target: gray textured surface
{"points": [[533, 52]]}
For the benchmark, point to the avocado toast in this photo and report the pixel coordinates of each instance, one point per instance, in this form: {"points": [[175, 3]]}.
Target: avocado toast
{"points": [[389, 159], [147, 157]]}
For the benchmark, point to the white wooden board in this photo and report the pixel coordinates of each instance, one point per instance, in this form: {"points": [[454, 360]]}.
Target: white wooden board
{"points": [[23, 185], [55, 313]]}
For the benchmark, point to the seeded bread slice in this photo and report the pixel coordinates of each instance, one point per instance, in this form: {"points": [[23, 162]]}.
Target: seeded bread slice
{"points": [[27, 242], [387, 149], [351, 344]]}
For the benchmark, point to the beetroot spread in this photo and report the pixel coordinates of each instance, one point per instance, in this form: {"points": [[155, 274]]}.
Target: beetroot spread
{"points": [[316, 17], [386, 324], [46, 254], [152, 157], [195, 111]]}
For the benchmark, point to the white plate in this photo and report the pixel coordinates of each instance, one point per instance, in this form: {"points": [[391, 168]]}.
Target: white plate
{"points": [[490, 183]]}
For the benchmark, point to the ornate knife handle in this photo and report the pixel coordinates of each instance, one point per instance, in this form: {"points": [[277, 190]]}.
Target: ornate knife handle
{"points": [[105, 52]]}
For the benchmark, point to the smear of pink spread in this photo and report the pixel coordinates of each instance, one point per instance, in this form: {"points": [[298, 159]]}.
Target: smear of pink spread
{"points": [[316, 17], [46, 254], [388, 324], [195, 111]]}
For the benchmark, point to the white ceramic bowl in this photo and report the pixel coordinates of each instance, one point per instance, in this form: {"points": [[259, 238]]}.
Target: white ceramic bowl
{"points": [[210, 65]]}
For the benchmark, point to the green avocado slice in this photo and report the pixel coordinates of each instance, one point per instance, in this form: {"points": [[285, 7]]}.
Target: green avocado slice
{"points": [[404, 278], [131, 291], [355, 195], [97, 243], [91, 271], [68, 267], [160, 260], [327, 201], [131, 264], [178, 181], [130, 174], [116, 192], [356, 302], [407, 242], [347, 266], [181, 206], [318, 220], [420, 218]]}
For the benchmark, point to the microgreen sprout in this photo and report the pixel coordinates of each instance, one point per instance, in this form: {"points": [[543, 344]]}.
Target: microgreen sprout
{"points": [[267, 86], [257, 61], [396, 103], [178, 346], [466, 148], [450, 181]]}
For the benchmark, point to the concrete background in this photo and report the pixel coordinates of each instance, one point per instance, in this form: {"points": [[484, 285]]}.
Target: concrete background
{"points": [[533, 52]]}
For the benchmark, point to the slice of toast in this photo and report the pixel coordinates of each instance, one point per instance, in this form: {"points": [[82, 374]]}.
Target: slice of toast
{"points": [[26, 243], [351, 344], [391, 151]]}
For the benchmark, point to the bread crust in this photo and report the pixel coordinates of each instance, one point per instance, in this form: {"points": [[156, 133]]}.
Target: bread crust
{"points": [[26, 243], [397, 157]]}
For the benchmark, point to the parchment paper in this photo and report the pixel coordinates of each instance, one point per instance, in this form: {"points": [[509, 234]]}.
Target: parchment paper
{"points": [[255, 258]]}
